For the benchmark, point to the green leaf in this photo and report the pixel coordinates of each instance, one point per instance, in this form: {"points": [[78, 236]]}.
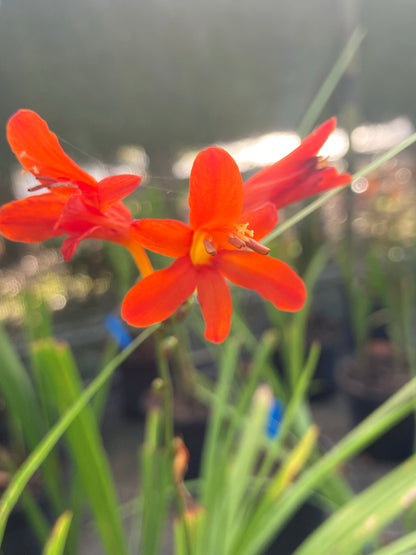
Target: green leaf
{"points": [[360, 520], [25, 414], [156, 471], [57, 540], [332, 80], [39, 454], [84, 440]]}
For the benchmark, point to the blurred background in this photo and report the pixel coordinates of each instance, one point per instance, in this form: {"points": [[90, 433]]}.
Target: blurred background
{"points": [[133, 85], [167, 75]]}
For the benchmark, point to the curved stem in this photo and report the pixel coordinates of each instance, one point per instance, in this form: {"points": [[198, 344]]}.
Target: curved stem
{"points": [[140, 257]]}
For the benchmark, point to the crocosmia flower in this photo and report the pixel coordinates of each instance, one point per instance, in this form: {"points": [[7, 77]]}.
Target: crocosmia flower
{"points": [[210, 250], [299, 175], [73, 202]]}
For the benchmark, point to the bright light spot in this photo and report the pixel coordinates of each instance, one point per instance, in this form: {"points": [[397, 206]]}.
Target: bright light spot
{"points": [[57, 302], [249, 153], [359, 185], [135, 157], [133, 160], [336, 146], [382, 136], [29, 264], [403, 176], [361, 225], [396, 254], [22, 182], [264, 150]]}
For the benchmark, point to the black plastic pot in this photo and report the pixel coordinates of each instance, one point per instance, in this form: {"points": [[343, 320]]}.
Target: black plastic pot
{"points": [[137, 373], [300, 526], [364, 398]]}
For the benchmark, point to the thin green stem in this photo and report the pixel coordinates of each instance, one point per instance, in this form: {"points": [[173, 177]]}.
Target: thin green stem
{"points": [[332, 80], [167, 393], [184, 364]]}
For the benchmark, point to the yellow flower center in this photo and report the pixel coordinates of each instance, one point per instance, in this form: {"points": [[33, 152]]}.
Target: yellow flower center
{"points": [[206, 243], [199, 252]]}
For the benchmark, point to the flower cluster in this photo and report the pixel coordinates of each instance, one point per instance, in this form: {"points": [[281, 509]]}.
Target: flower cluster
{"points": [[227, 219]]}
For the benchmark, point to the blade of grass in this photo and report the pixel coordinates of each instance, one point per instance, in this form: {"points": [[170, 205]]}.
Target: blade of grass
{"points": [[57, 540], [156, 471], [264, 527], [330, 83], [403, 546], [214, 454], [83, 437], [33, 512], [353, 526], [23, 410], [39, 454]]}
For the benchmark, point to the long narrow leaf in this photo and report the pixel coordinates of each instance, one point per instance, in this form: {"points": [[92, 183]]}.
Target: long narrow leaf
{"points": [[38, 455], [353, 526], [84, 440], [332, 80], [57, 540], [23, 410]]}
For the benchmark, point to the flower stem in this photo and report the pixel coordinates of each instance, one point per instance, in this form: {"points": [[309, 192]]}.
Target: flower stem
{"points": [[140, 257], [167, 392], [184, 364]]}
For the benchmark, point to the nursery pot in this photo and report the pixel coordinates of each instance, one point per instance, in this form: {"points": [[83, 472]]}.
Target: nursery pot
{"points": [[368, 382], [306, 519], [137, 373]]}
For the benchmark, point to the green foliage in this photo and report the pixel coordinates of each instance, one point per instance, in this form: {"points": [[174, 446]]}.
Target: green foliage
{"points": [[57, 540], [55, 361]]}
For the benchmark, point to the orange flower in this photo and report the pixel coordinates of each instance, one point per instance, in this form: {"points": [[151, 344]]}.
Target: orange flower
{"points": [[298, 175], [209, 250], [74, 203]]}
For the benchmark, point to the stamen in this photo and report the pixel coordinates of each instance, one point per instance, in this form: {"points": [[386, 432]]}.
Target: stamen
{"points": [[256, 246], [37, 187], [236, 242], [50, 185], [46, 178], [209, 247]]}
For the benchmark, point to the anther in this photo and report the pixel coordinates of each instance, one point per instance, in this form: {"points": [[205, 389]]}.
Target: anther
{"points": [[256, 246], [209, 247], [50, 185], [236, 242]]}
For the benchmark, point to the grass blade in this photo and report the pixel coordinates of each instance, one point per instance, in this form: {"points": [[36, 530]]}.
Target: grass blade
{"points": [[57, 540], [39, 454], [56, 362], [332, 80]]}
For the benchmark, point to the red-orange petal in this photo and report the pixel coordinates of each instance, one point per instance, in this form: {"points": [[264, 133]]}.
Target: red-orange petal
{"points": [[70, 244], [158, 295], [114, 188], [216, 189], [272, 279], [215, 299], [39, 151], [296, 176], [32, 219], [262, 220], [168, 237]]}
